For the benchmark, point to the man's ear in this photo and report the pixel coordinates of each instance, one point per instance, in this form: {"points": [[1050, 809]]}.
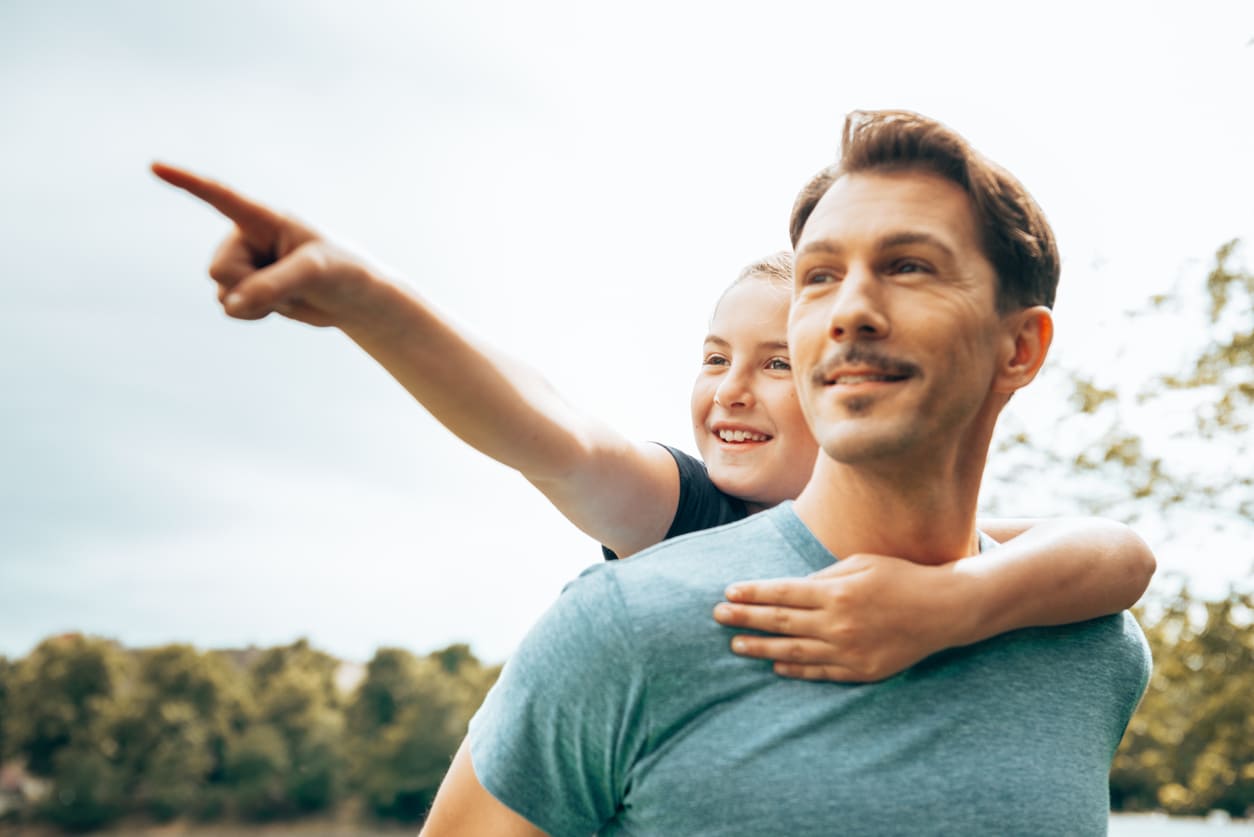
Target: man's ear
{"points": [[1027, 335]]}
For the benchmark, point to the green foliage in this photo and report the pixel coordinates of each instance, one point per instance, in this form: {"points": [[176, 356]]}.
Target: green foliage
{"points": [[296, 696], [184, 708], [407, 719], [6, 678], [1172, 442], [1190, 747], [89, 789], [257, 765], [1226, 362], [63, 694]]}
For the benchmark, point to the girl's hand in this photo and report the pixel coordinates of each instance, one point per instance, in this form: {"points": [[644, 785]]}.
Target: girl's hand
{"points": [[271, 262], [865, 618]]}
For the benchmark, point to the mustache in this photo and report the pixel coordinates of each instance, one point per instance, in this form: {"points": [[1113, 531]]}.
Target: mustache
{"points": [[861, 355]]}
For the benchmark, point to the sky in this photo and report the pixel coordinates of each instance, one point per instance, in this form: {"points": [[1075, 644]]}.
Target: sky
{"points": [[575, 184]]}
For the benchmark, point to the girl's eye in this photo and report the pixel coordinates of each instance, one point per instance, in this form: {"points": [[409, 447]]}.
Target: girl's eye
{"points": [[714, 360], [778, 364]]}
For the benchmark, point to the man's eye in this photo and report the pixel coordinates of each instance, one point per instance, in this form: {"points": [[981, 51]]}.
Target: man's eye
{"points": [[714, 360], [778, 364], [909, 266], [820, 277]]}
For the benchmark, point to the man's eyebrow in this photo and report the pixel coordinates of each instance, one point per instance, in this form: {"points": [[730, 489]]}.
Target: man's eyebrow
{"points": [[905, 237], [892, 239], [820, 246], [714, 338]]}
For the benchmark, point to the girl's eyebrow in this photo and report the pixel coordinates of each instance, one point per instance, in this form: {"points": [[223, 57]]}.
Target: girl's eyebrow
{"points": [[780, 345]]}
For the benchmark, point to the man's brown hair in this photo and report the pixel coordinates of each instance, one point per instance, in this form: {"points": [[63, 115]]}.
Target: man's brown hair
{"points": [[1016, 237]]}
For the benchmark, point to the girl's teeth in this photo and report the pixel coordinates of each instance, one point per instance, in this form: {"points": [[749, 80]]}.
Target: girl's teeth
{"points": [[741, 436]]}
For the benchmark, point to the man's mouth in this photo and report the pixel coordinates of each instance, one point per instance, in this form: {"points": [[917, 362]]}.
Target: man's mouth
{"points": [[860, 365], [864, 377]]}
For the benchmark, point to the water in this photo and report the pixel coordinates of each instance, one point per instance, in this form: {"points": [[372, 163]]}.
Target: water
{"points": [[1157, 825]]}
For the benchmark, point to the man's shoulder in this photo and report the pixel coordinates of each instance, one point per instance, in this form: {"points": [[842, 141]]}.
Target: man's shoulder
{"points": [[1114, 637], [758, 545], [1105, 656], [1118, 635], [679, 581]]}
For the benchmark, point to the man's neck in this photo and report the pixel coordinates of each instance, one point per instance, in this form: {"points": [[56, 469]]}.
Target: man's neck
{"points": [[923, 512]]}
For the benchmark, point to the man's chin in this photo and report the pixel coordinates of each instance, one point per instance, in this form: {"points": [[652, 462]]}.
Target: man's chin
{"points": [[860, 446]]}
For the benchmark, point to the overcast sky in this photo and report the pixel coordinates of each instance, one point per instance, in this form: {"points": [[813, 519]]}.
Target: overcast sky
{"points": [[576, 185]]}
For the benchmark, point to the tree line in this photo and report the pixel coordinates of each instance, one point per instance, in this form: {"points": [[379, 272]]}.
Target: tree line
{"points": [[91, 732]]}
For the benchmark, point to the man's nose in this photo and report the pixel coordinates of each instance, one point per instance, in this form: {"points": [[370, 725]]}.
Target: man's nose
{"points": [[858, 310]]}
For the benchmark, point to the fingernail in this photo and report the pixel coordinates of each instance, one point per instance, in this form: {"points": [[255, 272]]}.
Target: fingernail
{"points": [[738, 645], [722, 611], [733, 592], [233, 300]]}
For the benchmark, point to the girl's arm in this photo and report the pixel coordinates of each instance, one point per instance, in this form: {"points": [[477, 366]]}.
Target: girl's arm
{"points": [[1055, 572], [620, 492], [868, 617]]}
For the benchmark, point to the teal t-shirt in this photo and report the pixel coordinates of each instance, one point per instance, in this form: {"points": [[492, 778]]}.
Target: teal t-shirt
{"points": [[624, 712]]}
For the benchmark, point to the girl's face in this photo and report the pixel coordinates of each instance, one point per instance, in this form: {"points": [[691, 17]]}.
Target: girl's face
{"points": [[748, 423]]}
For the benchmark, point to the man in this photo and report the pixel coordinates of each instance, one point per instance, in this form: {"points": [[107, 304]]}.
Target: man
{"points": [[923, 280]]}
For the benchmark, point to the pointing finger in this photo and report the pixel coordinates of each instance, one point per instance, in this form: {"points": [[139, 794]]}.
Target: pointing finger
{"points": [[259, 224]]}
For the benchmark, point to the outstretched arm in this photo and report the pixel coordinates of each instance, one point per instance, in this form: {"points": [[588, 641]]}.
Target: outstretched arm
{"points": [[621, 492], [868, 617]]}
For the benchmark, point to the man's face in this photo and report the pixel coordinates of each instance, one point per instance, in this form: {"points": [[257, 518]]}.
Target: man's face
{"points": [[893, 330]]}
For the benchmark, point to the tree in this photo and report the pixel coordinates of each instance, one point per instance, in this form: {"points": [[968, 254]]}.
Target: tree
{"points": [[1168, 450], [407, 719], [6, 676], [63, 703], [65, 692], [296, 697], [1190, 747], [89, 788], [173, 737], [257, 767]]}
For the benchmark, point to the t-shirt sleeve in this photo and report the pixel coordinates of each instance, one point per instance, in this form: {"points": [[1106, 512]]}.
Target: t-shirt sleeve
{"points": [[556, 736], [701, 504]]}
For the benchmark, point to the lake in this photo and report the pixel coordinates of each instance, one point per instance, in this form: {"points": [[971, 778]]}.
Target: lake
{"points": [[1158, 825]]}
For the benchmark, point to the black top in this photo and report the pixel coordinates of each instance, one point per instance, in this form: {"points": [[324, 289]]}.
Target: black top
{"points": [[701, 505]]}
